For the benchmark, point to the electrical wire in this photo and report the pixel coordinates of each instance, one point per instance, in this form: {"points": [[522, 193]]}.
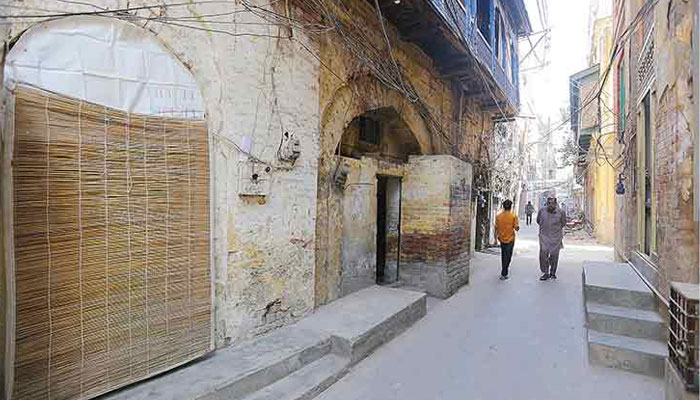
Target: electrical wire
{"points": [[642, 13], [390, 75]]}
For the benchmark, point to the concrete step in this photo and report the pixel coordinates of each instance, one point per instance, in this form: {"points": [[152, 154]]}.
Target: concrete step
{"points": [[643, 324], [304, 358], [306, 383], [364, 320], [236, 371], [641, 356], [616, 284]]}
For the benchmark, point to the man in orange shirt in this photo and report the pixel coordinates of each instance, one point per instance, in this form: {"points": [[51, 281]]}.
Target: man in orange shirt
{"points": [[506, 225]]}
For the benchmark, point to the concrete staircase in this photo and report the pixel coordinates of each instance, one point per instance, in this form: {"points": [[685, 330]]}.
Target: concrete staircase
{"points": [[306, 382], [293, 363], [624, 329]]}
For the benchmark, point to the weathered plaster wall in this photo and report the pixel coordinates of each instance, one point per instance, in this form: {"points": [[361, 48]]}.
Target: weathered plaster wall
{"points": [[600, 175], [676, 230], [256, 87], [347, 90], [604, 143], [626, 205], [359, 226], [357, 206]]}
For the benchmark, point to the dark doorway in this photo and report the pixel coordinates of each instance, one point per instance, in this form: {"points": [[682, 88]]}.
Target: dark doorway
{"points": [[647, 176], [388, 228], [482, 221]]}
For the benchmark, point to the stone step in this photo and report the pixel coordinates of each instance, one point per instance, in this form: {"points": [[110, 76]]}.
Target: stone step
{"points": [[364, 320], [616, 284], [236, 371], [643, 324], [306, 383], [641, 356], [347, 329]]}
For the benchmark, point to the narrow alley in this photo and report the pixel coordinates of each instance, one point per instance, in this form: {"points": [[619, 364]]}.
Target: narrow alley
{"points": [[301, 199], [515, 339]]}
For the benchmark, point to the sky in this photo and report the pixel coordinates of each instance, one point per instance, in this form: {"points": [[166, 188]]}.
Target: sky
{"points": [[545, 91]]}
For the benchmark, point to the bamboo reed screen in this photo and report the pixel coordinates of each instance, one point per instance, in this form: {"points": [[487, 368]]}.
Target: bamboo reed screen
{"points": [[111, 246]]}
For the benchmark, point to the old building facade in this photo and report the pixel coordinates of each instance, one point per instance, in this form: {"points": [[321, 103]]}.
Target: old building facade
{"points": [[592, 123], [345, 145], [656, 216]]}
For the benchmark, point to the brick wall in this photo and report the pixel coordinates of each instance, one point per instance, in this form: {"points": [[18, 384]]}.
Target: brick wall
{"points": [[436, 224], [677, 233], [676, 256], [350, 90], [676, 230]]}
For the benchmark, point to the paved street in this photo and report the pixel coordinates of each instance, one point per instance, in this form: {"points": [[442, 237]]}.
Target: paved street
{"points": [[499, 340]]}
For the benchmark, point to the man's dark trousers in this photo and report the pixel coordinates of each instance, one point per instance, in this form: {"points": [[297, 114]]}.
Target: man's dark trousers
{"points": [[506, 256], [528, 219]]}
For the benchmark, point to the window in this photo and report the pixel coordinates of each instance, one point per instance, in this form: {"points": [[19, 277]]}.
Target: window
{"points": [[508, 61], [370, 131], [514, 63], [499, 33], [483, 18], [501, 45], [504, 45]]}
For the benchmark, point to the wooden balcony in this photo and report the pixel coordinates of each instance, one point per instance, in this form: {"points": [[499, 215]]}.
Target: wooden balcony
{"points": [[447, 31]]}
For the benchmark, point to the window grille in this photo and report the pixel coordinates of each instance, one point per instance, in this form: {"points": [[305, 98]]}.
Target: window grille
{"points": [[683, 332]]}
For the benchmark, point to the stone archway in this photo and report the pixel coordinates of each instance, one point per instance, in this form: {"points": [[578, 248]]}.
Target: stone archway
{"points": [[356, 98], [362, 95]]}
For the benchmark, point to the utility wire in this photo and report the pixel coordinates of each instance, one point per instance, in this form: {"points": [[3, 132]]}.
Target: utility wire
{"points": [[643, 12], [115, 11]]}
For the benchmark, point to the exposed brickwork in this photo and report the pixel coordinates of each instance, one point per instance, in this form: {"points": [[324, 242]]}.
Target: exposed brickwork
{"points": [[677, 235], [460, 217], [437, 214], [350, 91], [676, 241]]}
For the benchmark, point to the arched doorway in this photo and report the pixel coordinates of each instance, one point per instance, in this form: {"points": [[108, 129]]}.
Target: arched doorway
{"points": [[374, 150], [380, 133], [109, 215], [431, 189], [345, 261]]}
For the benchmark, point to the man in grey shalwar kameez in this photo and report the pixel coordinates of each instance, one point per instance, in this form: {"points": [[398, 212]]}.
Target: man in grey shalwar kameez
{"points": [[551, 220]]}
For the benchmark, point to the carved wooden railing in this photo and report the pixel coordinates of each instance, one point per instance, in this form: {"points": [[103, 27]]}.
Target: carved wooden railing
{"points": [[462, 23]]}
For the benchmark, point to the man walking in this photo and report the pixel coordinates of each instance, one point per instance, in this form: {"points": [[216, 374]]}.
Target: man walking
{"points": [[529, 210], [506, 225], [551, 220]]}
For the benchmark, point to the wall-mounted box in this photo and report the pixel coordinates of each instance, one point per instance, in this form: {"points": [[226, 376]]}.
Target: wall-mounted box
{"points": [[254, 178]]}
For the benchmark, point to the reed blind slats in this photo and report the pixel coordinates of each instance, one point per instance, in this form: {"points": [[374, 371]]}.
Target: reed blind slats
{"points": [[111, 246]]}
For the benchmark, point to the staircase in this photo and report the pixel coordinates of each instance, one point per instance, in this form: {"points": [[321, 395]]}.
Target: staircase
{"points": [[624, 329]]}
